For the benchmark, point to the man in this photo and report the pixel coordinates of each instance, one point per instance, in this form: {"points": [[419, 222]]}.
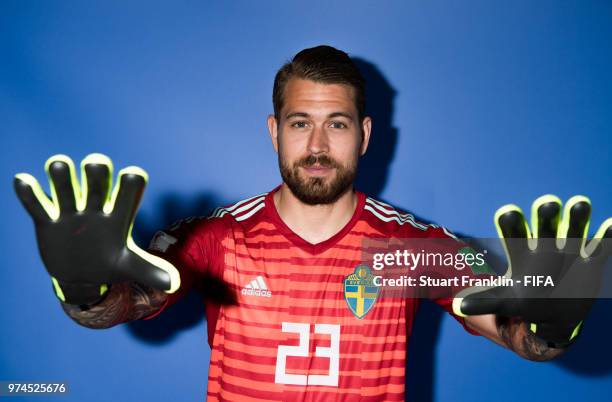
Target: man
{"points": [[293, 329]]}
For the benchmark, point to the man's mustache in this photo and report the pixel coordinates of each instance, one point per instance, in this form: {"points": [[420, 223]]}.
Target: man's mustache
{"points": [[321, 160]]}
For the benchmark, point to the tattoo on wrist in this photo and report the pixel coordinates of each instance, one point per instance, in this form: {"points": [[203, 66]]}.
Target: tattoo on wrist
{"points": [[124, 302], [517, 336]]}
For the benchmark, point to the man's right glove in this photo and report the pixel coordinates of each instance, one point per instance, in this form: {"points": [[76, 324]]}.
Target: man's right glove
{"points": [[84, 233]]}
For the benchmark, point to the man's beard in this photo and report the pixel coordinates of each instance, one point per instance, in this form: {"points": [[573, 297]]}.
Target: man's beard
{"points": [[314, 190]]}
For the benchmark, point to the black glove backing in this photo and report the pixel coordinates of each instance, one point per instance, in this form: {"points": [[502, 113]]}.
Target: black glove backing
{"points": [[555, 251], [84, 233]]}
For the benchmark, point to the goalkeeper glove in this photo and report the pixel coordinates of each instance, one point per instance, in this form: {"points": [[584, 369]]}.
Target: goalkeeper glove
{"points": [[84, 232], [555, 249]]}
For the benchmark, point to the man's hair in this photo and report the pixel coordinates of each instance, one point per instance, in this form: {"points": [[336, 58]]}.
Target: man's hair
{"points": [[323, 64]]}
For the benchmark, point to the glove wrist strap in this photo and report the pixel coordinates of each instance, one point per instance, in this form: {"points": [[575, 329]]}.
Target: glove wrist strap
{"points": [[559, 336], [81, 294]]}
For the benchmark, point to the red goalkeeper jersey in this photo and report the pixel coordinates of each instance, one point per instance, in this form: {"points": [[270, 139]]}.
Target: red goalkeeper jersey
{"points": [[303, 328]]}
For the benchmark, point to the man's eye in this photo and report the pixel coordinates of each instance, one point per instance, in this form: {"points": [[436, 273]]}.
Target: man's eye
{"points": [[338, 124], [298, 124]]}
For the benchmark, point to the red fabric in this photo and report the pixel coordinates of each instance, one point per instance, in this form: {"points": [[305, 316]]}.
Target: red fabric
{"points": [[249, 248]]}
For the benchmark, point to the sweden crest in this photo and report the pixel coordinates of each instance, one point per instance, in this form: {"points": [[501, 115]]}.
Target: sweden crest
{"points": [[360, 292]]}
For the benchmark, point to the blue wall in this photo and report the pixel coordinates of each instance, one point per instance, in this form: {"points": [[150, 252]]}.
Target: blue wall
{"points": [[475, 106]]}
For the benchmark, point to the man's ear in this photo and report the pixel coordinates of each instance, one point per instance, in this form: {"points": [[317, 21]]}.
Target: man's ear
{"points": [[273, 130], [366, 129]]}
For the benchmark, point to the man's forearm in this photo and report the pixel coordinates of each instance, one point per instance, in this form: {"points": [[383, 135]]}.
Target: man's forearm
{"points": [[124, 302], [517, 337]]}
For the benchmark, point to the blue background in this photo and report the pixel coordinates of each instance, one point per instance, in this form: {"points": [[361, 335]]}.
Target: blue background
{"points": [[475, 105]]}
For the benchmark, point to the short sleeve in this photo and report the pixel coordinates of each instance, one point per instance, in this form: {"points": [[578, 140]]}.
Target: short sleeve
{"points": [[447, 304], [182, 245], [454, 244]]}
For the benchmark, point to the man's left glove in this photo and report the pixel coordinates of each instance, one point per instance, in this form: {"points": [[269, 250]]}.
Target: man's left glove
{"points": [[555, 249]]}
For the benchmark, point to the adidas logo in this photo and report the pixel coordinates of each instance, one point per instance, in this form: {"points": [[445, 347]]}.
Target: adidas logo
{"points": [[257, 287]]}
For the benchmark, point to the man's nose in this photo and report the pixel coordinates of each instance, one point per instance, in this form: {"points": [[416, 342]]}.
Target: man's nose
{"points": [[318, 141]]}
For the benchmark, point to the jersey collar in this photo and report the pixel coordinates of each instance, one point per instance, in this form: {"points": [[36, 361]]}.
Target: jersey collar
{"points": [[299, 241]]}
